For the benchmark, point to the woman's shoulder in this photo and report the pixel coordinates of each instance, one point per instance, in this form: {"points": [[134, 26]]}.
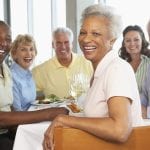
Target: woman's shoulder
{"points": [[120, 65], [145, 59]]}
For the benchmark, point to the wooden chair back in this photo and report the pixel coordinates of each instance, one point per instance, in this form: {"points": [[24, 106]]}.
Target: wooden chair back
{"points": [[74, 139]]}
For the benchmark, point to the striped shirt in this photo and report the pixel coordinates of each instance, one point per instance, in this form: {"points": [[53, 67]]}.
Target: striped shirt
{"points": [[141, 71]]}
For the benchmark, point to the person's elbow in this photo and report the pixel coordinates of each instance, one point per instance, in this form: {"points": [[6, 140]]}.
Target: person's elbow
{"points": [[122, 134]]}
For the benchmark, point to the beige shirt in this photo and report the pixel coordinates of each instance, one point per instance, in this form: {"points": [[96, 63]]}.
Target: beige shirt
{"points": [[53, 78], [6, 96]]}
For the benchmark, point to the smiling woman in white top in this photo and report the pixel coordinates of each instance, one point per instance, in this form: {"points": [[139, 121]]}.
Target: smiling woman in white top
{"points": [[112, 104]]}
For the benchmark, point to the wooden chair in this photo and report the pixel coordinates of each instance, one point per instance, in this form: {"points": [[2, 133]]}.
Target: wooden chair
{"points": [[74, 139]]}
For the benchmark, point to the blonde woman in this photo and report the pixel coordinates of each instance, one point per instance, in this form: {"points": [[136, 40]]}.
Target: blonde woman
{"points": [[23, 52]]}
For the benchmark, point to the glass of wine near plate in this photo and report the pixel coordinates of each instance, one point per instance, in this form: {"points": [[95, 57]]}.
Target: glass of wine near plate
{"points": [[79, 84]]}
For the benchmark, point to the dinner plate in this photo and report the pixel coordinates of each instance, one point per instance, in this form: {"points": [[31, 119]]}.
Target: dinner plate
{"points": [[54, 104]]}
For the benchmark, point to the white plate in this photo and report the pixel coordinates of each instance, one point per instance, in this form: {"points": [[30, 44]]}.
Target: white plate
{"points": [[55, 104]]}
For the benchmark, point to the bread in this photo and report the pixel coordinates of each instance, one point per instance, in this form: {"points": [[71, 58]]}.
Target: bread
{"points": [[74, 108]]}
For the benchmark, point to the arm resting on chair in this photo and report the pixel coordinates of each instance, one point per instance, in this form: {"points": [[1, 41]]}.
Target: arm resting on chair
{"points": [[74, 139]]}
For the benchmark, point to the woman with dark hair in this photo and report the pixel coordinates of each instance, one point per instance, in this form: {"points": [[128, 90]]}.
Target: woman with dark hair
{"points": [[135, 51]]}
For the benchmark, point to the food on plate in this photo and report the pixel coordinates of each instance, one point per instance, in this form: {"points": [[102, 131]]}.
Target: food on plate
{"points": [[74, 108], [53, 97], [50, 99], [70, 97], [45, 101]]}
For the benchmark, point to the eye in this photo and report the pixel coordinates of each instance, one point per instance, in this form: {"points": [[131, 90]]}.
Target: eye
{"points": [[31, 49], [82, 33], [127, 40], [23, 49], [66, 42], [8, 39], [96, 34], [58, 44], [136, 40]]}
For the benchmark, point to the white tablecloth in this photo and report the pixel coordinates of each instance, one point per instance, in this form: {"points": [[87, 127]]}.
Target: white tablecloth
{"points": [[30, 136]]}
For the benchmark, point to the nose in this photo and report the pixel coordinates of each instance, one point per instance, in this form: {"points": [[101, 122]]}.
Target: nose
{"points": [[3, 43], [63, 45], [87, 38], [133, 42], [28, 52]]}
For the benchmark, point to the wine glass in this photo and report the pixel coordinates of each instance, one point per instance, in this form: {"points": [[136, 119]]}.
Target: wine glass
{"points": [[79, 83]]}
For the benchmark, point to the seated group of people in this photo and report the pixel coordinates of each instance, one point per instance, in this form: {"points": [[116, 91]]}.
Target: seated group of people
{"points": [[112, 80], [52, 76]]}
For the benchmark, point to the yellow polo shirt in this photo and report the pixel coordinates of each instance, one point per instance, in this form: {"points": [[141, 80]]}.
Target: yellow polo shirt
{"points": [[53, 78]]}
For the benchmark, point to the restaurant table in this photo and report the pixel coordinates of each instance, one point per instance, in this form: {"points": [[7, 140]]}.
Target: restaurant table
{"points": [[30, 136]]}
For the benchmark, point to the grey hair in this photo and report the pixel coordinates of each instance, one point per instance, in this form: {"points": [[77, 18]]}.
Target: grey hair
{"points": [[63, 30], [115, 21]]}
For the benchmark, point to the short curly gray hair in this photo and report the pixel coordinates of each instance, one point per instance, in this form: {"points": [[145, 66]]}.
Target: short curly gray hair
{"points": [[65, 30], [108, 12]]}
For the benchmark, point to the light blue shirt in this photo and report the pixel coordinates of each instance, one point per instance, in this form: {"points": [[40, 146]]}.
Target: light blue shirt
{"points": [[24, 90]]}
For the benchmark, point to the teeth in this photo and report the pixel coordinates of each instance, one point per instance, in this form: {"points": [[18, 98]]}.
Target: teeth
{"points": [[2, 51], [63, 51], [28, 58], [89, 47]]}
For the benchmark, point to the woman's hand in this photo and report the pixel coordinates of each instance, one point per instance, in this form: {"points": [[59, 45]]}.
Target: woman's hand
{"points": [[48, 143]]}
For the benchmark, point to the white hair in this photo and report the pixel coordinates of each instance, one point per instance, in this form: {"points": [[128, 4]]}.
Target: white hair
{"points": [[63, 30], [115, 21]]}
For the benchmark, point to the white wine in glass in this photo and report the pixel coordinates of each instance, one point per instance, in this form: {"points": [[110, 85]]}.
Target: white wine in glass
{"points": [[79, 84]]}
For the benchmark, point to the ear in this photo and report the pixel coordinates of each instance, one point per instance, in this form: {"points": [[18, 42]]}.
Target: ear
{"points": [[52, 44], [112, 41]]}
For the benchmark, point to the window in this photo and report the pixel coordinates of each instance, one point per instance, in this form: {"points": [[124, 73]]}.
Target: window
{"points": [[19, 24], [1, 10], [42, 29], [38, 18]]}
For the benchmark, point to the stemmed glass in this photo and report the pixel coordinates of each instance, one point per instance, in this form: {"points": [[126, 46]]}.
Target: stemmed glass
{"points": [[79, 83]]}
